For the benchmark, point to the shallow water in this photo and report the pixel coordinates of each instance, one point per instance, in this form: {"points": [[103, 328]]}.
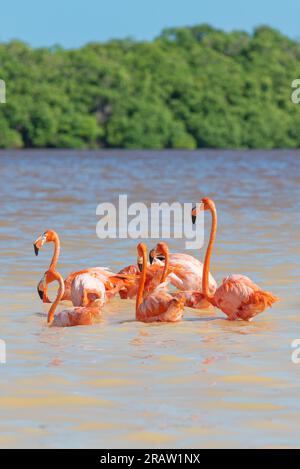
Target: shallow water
{"points": [[204, 382]]}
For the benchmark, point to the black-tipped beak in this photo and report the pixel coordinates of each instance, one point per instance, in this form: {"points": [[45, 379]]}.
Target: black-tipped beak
{"points": [[140, 266], [36, 250], [194, 216], [40, 291], [151, 257]]}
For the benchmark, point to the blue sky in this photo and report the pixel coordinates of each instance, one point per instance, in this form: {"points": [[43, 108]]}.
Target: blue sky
{"points": [[73, 23]]}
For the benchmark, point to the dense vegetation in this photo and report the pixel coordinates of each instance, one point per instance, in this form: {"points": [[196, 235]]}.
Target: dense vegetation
{"points": [[190, 87]]}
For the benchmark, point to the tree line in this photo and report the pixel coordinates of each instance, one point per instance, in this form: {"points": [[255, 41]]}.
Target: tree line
{"points": [[190, 87]]}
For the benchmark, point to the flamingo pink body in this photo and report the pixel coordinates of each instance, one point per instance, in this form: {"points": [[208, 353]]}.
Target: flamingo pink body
{"points": [[77, 316], [159, 305], [86, 288], [130, 291], [239, 298], [110, 280], [193, 299], [187, 277]]}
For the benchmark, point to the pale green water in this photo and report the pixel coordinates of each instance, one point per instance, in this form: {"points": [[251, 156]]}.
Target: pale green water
{"points": [[205, 382]]}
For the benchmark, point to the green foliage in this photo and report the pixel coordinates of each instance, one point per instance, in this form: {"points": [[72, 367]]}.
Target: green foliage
{"points": [[189, 88]]}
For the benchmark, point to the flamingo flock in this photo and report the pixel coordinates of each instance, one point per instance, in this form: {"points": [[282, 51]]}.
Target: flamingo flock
{"points": [[149, 281]]}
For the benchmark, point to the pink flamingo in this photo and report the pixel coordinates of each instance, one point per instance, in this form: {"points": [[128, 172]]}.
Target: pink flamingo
{"points": [[78, 316], [159, 305], [238, 297], [113, 283], [187, 277], [184, 276], [133, 272]]}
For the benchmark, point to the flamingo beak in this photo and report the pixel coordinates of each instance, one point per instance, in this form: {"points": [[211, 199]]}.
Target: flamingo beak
{"points": [[194, 215], [40, 289], [196, 210], [140, 263], [39, 243], [151, 256]]}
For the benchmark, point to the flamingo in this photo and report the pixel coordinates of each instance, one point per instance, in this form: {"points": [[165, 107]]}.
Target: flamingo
{"points": [[238, 296], [159, 305], [113, 283], [180, 278], [187, 277], [153, 277], [77, 316]]}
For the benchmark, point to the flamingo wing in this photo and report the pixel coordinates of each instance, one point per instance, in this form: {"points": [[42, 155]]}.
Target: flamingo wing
{"points": [[102, 273], [75, 317], [257, 303], [240, 298], [242, 278], [231, 295], [86, 288], [193, 299], [160, 306], [189, 273], [129, 291]]}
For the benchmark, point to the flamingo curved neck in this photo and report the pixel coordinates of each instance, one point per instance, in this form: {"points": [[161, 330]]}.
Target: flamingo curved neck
{"points": [[166, 266], [60, 294], [206, 267], [56, 252], [140, 293]]}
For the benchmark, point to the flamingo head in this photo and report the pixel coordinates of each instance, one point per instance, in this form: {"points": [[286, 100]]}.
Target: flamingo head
{"points": [[47, 237], [206, 204], [49, 276], [156, 254], [160, 252]]}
